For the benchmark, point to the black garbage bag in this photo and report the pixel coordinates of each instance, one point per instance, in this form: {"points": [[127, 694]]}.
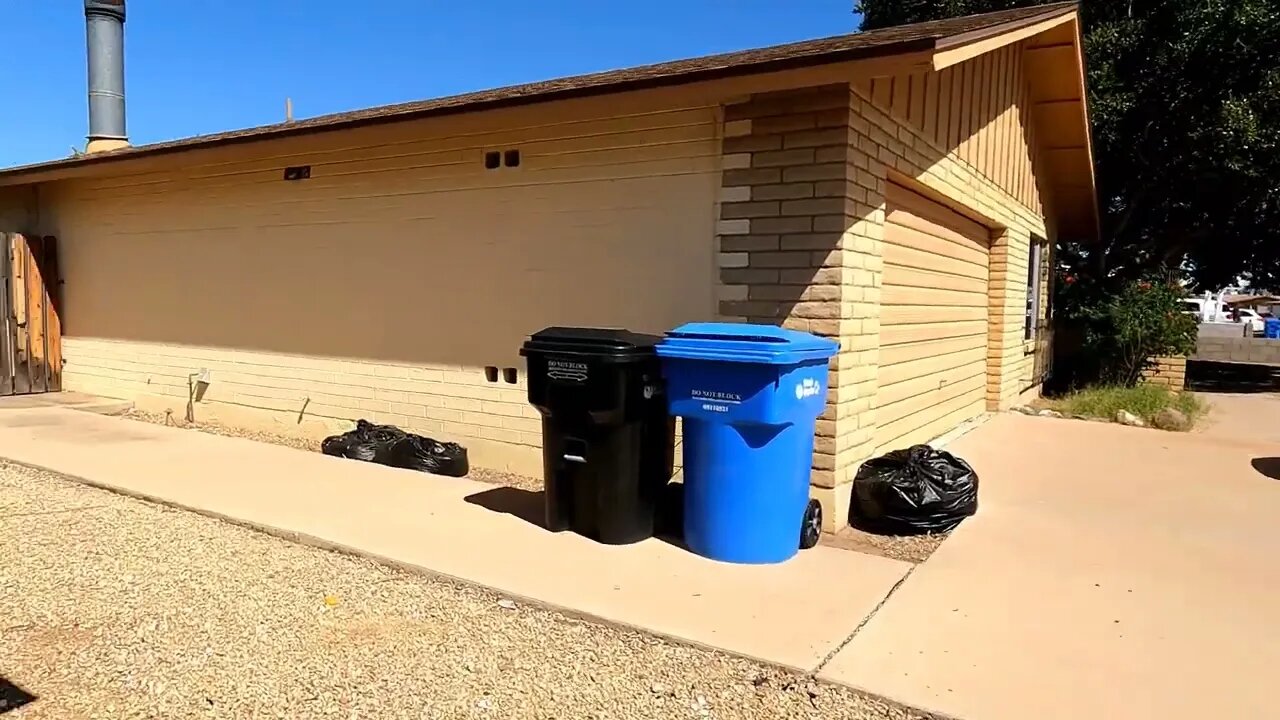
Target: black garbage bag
{"points": [[416, 452], [368, 442], [913, 491], [335, 445]]}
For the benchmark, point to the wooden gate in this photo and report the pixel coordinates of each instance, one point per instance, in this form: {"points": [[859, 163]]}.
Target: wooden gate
{"points": [[31, 336]]}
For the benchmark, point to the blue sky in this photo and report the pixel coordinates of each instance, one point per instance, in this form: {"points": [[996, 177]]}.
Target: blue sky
{"points": [[200, 66]]}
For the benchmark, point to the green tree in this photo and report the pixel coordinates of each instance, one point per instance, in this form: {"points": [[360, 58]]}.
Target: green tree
{"points": [[1185, 105]]}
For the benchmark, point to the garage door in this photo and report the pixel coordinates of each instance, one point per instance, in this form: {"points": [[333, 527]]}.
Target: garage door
{"points": [[933, 323]]}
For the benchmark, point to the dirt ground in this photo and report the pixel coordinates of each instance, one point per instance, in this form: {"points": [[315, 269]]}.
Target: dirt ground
{"points": [[116, 608], [912, 549], [480, 474]]}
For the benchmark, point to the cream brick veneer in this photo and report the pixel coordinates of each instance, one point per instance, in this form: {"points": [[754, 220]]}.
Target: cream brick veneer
{"points": [[1171, 372], [309, 396], [787, 253], [800, 234]]}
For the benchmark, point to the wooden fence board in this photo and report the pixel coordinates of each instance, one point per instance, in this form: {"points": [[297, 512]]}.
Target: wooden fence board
{"points": [[30, 324]]}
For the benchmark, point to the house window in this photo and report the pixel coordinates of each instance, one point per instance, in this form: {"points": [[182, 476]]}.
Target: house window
{"points": [[1034, 263]]}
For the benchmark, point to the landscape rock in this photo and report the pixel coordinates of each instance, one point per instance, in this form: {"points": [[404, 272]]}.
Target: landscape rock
{"points": [[1049, 414], [1171, 419], [1124, 417], [1024, 409]]}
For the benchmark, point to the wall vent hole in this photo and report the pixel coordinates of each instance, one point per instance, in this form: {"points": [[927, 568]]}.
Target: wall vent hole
{"points": [[511, 158], [492, 160], [491, 374], [510, 375]]}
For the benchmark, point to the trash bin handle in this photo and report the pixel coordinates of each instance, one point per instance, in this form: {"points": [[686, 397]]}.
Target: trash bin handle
{"points": [[576, 459]]}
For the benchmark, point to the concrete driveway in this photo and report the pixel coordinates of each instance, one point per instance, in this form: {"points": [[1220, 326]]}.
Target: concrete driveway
{"points": [[1111, 572]]}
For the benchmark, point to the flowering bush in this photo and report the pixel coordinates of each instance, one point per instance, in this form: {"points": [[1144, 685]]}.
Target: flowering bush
{"points": [[1121, 331]]}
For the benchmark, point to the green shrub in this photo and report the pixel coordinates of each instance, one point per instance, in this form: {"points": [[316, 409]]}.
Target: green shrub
{"points": [[1145, 401], [1119, 332]]}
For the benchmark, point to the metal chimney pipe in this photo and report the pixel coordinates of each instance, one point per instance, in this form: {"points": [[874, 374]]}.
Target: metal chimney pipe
{"points": [[104, 28]]}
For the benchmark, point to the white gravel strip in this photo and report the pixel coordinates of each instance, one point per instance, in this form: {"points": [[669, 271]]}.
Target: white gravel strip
{"points": [[115, 608]]}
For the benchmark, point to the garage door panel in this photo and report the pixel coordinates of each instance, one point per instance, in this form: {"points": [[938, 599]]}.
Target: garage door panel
{"points": [[926, 314], [919, 211], [907, 237], [906, 432], [905, 257], [906, 352], [927, 296], [921, 395], [934, 371], [931, 402], [933, 324], [896, 334], [943, 280]]}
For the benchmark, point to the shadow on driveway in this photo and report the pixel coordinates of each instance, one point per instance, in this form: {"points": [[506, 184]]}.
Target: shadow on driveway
{"points": [[1223, 377], [13, 697], [524, 504], [530, 506], [1268, 466]]}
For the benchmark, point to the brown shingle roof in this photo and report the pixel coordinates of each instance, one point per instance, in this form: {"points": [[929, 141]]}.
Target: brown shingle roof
{"points": [[888, 41]]}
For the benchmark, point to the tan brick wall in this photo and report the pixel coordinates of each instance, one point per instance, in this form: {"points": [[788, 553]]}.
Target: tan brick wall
{"points": [[800, 239], [1170, 372], [786, 256], [311, 396]]}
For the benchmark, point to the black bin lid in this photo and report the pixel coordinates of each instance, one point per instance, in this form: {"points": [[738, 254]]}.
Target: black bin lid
{"points": [[596, 342]]}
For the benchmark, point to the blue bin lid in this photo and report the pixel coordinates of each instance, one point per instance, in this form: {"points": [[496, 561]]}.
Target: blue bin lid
{"points": [[739, 342]]}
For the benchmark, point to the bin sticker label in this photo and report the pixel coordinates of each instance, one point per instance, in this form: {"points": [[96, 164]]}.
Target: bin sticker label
{"points": [[716, 395], [715, 400], [567, 370], [807, 388]]}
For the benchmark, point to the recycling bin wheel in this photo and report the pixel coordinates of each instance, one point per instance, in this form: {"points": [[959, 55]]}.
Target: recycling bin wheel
{"points": [[811, 527]]}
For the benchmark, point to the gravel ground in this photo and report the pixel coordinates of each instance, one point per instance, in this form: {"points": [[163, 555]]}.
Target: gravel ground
{"points": [[911, 548], [116, 608]]}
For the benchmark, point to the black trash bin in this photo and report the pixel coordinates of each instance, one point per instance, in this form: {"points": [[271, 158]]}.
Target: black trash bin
{"points": [[607, 440]]}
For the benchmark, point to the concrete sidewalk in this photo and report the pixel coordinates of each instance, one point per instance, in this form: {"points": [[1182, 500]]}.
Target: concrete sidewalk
{"points": [[1111, 572], [795, 614]]}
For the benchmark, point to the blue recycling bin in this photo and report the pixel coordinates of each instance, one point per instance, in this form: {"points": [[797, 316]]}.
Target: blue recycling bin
{"points": [[749, 396], [1271, 328]]}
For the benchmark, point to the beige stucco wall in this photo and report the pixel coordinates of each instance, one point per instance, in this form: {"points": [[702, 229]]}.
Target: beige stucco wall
{"points": [[384, 285], [18, 209]]}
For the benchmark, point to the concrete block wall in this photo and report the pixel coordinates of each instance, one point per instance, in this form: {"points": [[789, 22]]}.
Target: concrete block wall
{"points": [[1257, 351], [799, 242]]}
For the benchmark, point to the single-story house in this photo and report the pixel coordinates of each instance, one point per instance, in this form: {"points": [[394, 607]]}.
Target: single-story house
{"points": [[899, 190]]}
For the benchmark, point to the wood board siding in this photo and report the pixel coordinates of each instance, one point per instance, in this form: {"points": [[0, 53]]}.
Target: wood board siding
{"points": [[30, 326], [980, 109], [384, 285], [933, 320]]}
